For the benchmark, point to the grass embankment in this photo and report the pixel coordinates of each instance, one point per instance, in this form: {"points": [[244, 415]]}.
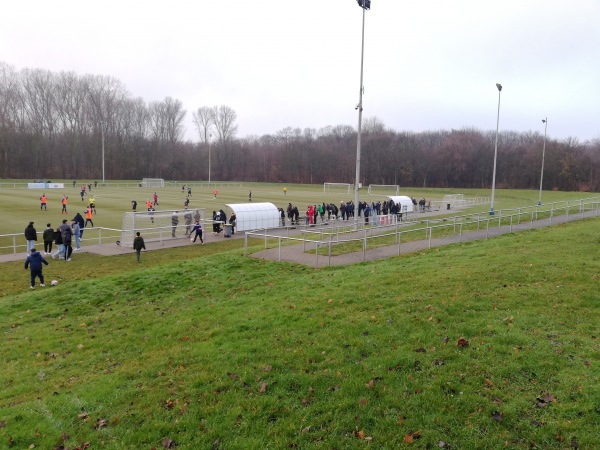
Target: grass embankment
{"points": [[490, 344]]}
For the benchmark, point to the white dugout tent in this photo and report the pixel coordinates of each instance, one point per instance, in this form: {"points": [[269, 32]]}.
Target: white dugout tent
{"points": [[252, 216], [405, 202]]}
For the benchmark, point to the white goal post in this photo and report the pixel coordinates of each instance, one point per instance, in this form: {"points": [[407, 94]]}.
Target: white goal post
{"points": [[387, 189], [156, 225], [153, 183], [338, 186]]}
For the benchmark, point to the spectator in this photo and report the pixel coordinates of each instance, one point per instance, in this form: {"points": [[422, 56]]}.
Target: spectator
{"points": [[31, 237], [48, 237], [66, 234], [198, 230], [174, 222]]}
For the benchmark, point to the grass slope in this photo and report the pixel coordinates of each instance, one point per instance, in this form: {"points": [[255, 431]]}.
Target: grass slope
{"points": [[490, 344]]}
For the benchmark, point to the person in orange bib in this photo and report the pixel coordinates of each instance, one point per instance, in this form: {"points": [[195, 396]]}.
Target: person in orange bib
{"points": [[88, 217], [43, 200], [64, 204]]}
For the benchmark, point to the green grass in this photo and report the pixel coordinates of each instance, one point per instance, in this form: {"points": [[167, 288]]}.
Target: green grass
{"points": [[209, 349]]}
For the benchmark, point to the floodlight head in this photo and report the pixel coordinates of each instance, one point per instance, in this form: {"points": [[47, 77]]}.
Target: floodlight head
{"points": [[499, 86], [543, 120], [365, 4]]}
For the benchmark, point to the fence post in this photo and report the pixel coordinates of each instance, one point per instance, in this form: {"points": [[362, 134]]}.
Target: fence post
{"points": [[399, 236], [460, 235], [279, 249], [430, 234], [317, 252], [265, 238], [511, 221], [487, 230], [365, 247], [330, 250]]}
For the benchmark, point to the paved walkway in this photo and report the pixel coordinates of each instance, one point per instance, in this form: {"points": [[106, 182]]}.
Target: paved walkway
{"points": [[297, 254], [113, 249]]}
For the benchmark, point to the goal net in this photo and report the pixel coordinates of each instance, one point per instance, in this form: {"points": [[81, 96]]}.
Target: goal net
{"points": [[153, 182], [386, 189], [157, 225], [337, 187], [454, 200]]}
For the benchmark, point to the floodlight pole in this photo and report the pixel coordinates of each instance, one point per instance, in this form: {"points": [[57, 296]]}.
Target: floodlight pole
{"points": [[499, 86], [360, 110], [209, 148], [545, 121], [102, 131]]}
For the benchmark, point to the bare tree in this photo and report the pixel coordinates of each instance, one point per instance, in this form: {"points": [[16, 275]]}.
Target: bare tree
{"points": [[204, 119], [224, 120]]}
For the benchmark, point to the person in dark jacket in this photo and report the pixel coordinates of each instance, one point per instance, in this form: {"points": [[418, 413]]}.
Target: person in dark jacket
{"points": [[60, 248], [48, 238], [138, 245], [79, 219], [198, 232], [34, 262], [31, 237], [67, 235]]}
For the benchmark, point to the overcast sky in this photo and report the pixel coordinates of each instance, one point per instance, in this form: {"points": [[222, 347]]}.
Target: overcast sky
{"points": [[429, 64]]}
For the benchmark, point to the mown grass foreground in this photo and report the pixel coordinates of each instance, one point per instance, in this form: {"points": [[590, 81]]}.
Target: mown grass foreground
{"points": [[489, 344]]}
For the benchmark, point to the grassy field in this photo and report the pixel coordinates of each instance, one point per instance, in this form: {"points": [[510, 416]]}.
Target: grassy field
{"points": [[20, 206], [485, 345]]}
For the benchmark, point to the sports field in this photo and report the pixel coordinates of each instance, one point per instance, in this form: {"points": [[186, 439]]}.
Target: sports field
{"points": [[485, 345], [19, 206]]}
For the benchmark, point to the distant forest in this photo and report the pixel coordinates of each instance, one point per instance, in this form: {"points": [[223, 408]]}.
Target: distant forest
{"points": [[52, 126]]}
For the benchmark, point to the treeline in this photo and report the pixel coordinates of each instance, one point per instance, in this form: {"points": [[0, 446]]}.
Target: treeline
{"points": [[52, 126]]}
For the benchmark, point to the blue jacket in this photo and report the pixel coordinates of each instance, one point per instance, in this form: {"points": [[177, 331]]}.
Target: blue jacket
{"points": [[35, 259]]}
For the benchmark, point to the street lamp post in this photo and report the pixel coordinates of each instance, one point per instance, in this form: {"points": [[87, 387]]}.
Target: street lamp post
{"points": [[499, 86], [545, 121], [364, 4], [209, 148]]}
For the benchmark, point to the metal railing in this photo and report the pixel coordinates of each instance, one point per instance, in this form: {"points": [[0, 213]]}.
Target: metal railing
{"points": [[319, 244]]}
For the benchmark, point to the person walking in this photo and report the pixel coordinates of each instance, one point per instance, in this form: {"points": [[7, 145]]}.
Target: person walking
{"points": [[34, 262], [77, 234], [198, 230], [92, 203], [155, 198], [133, 205], [67, 234], [31, 237], [88, 217], [48, 237], [43, 201], [138, 245], [187, 218], [60, 248], [174, 222]]}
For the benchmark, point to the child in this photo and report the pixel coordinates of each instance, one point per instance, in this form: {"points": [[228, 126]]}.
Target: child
{"points": [[198, 229], [34, 262], [138, 245]]}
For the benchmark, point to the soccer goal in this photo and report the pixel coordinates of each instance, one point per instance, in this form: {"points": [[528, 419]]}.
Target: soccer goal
{"points": [[157, 225], [337, 187], [153, 183], [386, 189]]}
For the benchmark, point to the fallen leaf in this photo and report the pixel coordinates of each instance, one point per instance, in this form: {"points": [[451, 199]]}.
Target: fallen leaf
{"points": [[370, 384], [490, 383], [408, 439], [359, 434], [497, 416], [168, 443], [268, 368], [263, 388], [101, 423], [462, 342]]}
